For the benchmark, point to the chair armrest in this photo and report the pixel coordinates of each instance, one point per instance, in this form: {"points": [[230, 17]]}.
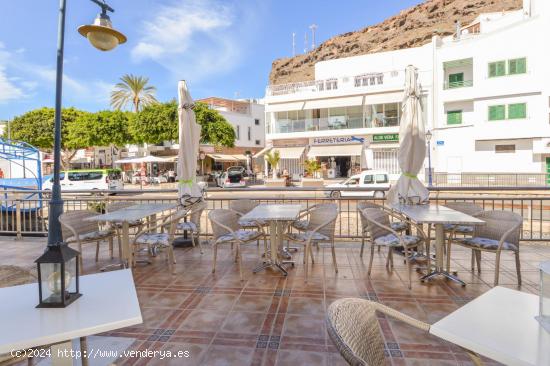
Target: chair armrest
{"points": [[505, 235], [402, 317]]}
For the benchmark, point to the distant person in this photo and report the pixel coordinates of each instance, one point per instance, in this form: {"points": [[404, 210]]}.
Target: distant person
{"points": [[1, 174], [171, 176]]}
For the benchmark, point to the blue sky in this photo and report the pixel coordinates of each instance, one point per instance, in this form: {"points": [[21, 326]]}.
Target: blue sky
{"points": [[222, 47]]}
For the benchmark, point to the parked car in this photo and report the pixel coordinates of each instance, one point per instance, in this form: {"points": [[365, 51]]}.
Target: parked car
{"points": [[376, 182], [232, 178], [92, 179]]}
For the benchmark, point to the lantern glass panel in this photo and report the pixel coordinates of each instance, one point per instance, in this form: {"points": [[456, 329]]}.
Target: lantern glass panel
{"points": [[50, 274], [70, 269]]}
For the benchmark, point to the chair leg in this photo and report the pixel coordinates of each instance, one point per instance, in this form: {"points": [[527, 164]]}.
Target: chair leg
{"points": [[408, 261], [311, 254], [265, 246], [391, 258], [478, 260], [334, 257], [215, 256], [307, 251], [171, 259], [449, 252], [362, 247], [97, 252], [497, 268], [518, 267], [199, 241], [119, 247], [240, 258], [371, 258], [111, 247], [237, 253], [388, 257], [84, 350]]}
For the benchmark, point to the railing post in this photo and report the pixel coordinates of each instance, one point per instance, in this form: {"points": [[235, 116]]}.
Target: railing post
{"points": [[18, 219]]}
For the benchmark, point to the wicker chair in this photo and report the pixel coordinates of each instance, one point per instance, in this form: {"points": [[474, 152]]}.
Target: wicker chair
{"points": [[322, 223], [15, 276], [501, 231], [163, 239], [381, 234], [302, 223], [398, 226], [138, 224], [76, 229], [193, 223], [226, 230], [469, 208], [353, 327], [242, 207]]}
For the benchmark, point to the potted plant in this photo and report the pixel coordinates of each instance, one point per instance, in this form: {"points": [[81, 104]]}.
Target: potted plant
{"points": [[273, 158], [312, 168]]}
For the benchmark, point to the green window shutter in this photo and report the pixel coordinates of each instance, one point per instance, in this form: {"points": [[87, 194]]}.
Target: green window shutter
{"points": [[497, 112], [517, 66], [517, 111], [456, 80], [497, 69], [454, 117]]}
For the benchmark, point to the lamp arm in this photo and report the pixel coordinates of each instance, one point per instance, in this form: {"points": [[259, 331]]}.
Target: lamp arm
{"points": [[104, 7]]}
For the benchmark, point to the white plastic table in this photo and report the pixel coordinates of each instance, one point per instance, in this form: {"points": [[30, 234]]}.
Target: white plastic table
{"points": [[277, 215], [501, 325], [108, 302], [128, 214], [438, 216]]}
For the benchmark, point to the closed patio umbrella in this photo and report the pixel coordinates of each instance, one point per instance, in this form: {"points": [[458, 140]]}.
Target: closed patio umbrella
{"points": [[412, 145], [189, 136]]}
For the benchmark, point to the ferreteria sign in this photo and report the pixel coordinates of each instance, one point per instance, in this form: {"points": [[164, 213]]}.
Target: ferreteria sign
{"points": [[385, 137], [340, 140]]}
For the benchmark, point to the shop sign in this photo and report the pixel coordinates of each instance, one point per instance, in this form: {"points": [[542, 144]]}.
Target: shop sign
{"points": [[385, 137], [440, 142], [339, 140]]}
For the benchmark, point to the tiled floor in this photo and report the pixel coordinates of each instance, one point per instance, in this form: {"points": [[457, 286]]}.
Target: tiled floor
{"points": [[272, 320]]}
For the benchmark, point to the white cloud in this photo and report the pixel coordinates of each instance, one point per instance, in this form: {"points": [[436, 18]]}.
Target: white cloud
{"points": [[193, 39], [8, 90]]}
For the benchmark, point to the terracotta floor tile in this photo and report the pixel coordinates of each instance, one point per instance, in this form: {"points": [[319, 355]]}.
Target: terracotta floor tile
{"points": [[205, 320], [227, 356], [293, 358], [243, 322]]}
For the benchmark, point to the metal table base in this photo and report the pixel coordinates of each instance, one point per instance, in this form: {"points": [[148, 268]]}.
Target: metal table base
{"points": [[274, 260]]}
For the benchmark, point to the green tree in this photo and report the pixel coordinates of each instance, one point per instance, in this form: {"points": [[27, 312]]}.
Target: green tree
{"points": [[159, 122], [37, 126], [273, 158], [312, 166], [103, 128], [133, 89]]}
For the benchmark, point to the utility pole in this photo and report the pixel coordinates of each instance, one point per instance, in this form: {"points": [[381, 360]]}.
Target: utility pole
{"points": [[313, 27], [293, 44]]}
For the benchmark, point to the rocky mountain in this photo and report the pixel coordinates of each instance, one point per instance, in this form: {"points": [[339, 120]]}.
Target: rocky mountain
{"points": [[410, 28]]}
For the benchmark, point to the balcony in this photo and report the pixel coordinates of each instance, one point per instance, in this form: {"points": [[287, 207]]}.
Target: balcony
{"points": [[326, 124], [458, 84]]}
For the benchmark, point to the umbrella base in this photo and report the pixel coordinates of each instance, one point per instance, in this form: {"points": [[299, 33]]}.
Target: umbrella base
{"points": [[183, 241]]}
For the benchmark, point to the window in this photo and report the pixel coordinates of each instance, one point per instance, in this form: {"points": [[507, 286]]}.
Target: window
{"points": [[454, 117], [456, 80], [353, 182], [258, 142], [381, 178], [517, 66], [249, 133], [368, 179], [497, 69], [517, 111], [238, 132], [497, 112], [80, 176], [505, 149], [257, 122]]}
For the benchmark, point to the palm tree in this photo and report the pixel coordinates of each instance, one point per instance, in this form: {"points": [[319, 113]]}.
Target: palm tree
{"points": [[272, 159], [133, 89], [312, 166]]}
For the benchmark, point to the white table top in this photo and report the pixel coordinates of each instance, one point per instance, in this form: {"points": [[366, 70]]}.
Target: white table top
{"points": [[274, 212], [133, 213], [436, 214], [108, 302], [501, 325]]}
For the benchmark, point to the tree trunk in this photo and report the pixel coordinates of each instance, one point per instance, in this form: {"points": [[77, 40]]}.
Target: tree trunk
{"points": [[66, 158]]}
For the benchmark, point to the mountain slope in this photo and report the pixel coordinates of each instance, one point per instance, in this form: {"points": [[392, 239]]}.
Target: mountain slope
{"points": [[410, 28]]}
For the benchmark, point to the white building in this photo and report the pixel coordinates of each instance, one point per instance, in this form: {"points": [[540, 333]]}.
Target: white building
{"points": [[485, 97]]}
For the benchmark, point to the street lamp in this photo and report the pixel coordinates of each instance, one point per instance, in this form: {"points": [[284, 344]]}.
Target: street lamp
{"points": [[428, 138], [101, 36]]}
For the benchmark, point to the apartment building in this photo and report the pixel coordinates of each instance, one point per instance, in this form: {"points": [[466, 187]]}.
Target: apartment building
{"points": [[485, 99]]}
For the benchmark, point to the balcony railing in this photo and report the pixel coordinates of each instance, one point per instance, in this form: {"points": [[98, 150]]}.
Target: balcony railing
{"points": [[458, 84], [324, 124]]}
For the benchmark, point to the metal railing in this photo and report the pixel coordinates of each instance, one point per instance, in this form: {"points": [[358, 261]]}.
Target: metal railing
{"points": [[491, 179], [29, 216], [458, 84]]}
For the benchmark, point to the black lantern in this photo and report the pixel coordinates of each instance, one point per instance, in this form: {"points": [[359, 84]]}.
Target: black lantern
{"points": [[57, 276]]}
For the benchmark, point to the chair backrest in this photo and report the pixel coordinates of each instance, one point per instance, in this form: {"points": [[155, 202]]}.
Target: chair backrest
{"points": [[353, 327], [380, 216], [196, 212], [324, 215], [14, 276], [469, 208], [76, 221], [228, 218], [361, 205], [243, 206], [497, 223]]}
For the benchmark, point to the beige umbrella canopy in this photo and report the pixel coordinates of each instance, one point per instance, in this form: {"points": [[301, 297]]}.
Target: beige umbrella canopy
{"points": [[189, 137], [412, 145]]}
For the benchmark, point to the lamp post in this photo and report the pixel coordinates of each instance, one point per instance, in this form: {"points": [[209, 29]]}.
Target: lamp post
{"points": [[102, 36], [428, 138]]}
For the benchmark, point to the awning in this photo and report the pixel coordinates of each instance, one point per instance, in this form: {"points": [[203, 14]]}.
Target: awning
{"points": [[334, 102], [227, 157], [290, 152], [335, 150], [240, 157], [262, 151], [283, 107]]}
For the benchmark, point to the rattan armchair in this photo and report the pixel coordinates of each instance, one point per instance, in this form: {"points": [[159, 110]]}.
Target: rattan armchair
{"points": [[322, 223], [227, 230], [353, 327], [469, 208], [302, 222], [137, 224], [76, 229], [242, 207], [381, 234], [193, 223], [501, 232], [164, 239]]}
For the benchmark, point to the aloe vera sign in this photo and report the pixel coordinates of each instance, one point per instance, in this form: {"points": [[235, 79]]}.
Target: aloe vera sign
{"points": [[385, 137]]}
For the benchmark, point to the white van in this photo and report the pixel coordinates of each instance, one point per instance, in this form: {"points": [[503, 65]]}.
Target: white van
{"points": [[376, 181], [92, 179]]}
